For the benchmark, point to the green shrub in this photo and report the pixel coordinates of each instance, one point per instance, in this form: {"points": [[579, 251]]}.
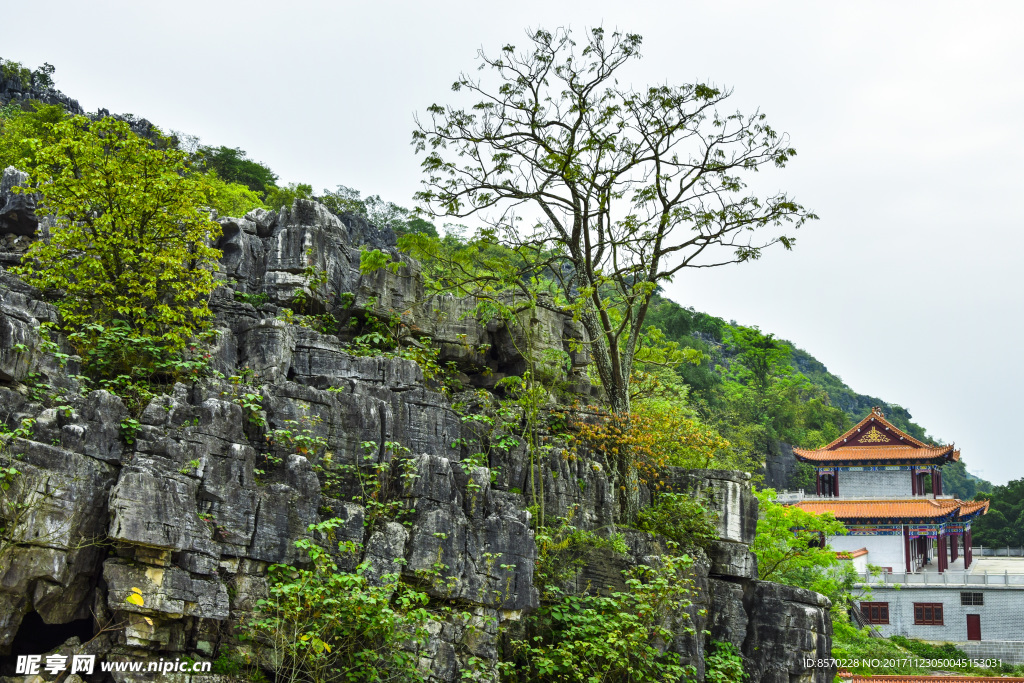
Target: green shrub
{"points": [[134, 365], [680, 518], [723, 664], [851, 643], [617, 637], [564, 550], [320, 624]]}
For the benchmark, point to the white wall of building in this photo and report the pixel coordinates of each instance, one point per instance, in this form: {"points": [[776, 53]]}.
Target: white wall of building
{"points": [[860, 564], [1002, 615], [883, 551], [875, 484]]}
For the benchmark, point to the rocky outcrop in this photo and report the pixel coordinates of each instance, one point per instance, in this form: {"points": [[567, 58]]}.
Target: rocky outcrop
{"points": [[14, 89], [17, 210], [161, 526]]}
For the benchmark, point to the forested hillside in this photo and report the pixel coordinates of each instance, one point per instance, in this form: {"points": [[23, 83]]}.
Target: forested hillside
{"points": [[806, 405]]}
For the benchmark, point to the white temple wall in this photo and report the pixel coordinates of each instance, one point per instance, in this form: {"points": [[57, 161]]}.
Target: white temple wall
{"points": [[875, 484], [1002, 615], [883, 551], [860, 564]]}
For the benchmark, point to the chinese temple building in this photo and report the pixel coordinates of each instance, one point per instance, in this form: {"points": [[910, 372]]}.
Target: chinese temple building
{"points": [[886, 487]]}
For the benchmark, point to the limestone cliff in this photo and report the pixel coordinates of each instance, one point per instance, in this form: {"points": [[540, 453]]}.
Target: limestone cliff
{"points": [[175, 507]]}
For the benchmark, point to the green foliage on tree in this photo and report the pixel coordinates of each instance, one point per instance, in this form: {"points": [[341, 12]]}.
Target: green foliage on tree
{"points": [[232, 165], [620, 188], [20, 124], [39, 79], [763, 356], [14, 71], [791, 548], [320, 624], [131, 240], [377, 211], [230, 198], [286, 196], [610, 190], [1003, 525]]}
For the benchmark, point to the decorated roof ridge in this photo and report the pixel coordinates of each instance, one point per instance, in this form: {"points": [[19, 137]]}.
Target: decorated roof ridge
{"points": [[875, 415], [969, 507]]}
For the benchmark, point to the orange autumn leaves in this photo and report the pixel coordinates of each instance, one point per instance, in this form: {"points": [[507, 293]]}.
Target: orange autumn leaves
{"points": [[657, 434]]}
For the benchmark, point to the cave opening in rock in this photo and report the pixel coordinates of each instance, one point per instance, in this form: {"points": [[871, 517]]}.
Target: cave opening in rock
{"points": [[36, 637]]}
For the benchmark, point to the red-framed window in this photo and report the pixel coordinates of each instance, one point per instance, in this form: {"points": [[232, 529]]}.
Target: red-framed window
{"points": [[928, 613], [875, 612]]}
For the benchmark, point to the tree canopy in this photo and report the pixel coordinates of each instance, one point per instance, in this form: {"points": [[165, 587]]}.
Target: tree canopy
{"points": [[616, 189], [232, 165], [791, 548], [131, 239]]}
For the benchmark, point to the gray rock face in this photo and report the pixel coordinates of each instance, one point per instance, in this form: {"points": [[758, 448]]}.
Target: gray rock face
{"points": [[787, 626], [166, 521], [13, 89], [17, 210]]}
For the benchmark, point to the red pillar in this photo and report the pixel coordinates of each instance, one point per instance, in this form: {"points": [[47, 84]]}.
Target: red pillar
{"points": [[817, 480], [935, 483], [906, 546], [968, 554], [835, 483], [913, 481], [943, 554], [953, 548], [938, 473]]}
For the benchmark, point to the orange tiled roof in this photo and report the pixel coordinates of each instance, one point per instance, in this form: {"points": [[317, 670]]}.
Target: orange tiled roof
{"points": [[875, 438], [850, 554], [857, 678], [917, 508], [889, 453], [970, 506]]}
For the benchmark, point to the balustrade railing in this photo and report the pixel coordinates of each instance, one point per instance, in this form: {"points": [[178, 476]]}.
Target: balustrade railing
{"points": [[786, 496], [1004, 551], [949, 577]]}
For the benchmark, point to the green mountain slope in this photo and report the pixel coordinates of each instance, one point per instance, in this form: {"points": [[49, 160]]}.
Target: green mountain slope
{"points": [[709, 384]]}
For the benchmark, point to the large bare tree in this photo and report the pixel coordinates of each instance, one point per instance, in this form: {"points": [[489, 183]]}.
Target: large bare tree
{"points": [[615, 189], [624, 187]]}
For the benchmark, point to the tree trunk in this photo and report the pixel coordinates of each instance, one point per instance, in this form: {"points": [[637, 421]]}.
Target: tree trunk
{"points": [[627, 479]]}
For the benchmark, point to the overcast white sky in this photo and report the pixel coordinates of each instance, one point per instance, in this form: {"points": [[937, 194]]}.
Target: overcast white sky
{"points": [[906, 116]]}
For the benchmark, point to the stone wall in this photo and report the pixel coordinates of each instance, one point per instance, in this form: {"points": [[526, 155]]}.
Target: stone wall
{"points": [[875, 483], [180, 514], [1006, 651]]}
